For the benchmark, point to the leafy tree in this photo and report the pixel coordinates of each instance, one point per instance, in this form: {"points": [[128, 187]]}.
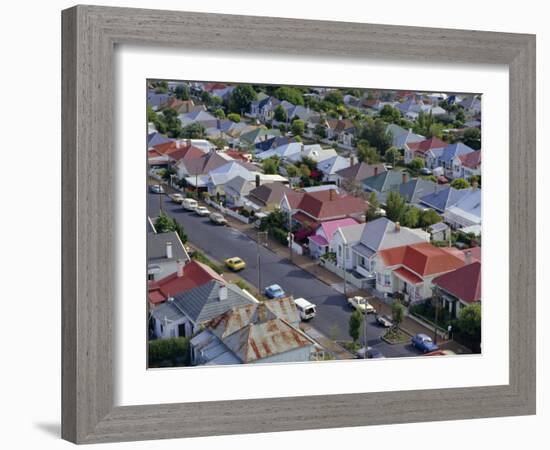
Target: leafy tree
{"points": [[374, 206], [173, 350], [309, 162], [279, 114], [335, 97], [298, 127], [218, 142], [472, 138], [469, 320], [374, 132], [165, 223], [459, 116], [395, 206], [182, 92], [391, 155], [205, 97], [172, 122], [390, 114], [460, 183], [305, 170], [193, 131], [427, 125], [410, 217], [290, 94], [219, 113], [366, 153], [167, 174], [428, 218], [416, 164], [233, 117], [355, 321], [292, 171], [241, 97], [475, 179], [397, 312], [161, 87], [271, 165], [320, 131]]}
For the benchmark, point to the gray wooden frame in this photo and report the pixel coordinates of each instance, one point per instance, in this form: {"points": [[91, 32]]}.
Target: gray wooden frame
{"points": [[89, 36]]}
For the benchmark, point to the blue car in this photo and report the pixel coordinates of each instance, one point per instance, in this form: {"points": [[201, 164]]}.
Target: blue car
{"points": [[274, 291], [424, 343]]}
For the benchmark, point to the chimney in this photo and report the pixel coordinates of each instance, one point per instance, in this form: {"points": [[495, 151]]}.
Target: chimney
{"points": [[405, 177], [375, 170], [180, 265], [169, 250], [467, 257], [257, 180], [222, 292], [397, 227]]}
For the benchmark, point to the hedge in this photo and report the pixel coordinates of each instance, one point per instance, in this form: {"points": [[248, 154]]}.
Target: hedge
{"points": [[173, 351]]}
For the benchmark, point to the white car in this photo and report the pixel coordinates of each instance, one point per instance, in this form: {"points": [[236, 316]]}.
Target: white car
{"points": [[189, 204], [361, 304], [156, 189], [305, 308], [176, 197], [202, 211]]}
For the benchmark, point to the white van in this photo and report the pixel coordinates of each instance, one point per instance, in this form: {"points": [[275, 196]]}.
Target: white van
{"points": [[190, 204], [306, 309]]}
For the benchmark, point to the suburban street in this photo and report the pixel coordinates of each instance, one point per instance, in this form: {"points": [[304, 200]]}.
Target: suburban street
{"points": [[220, 242]]}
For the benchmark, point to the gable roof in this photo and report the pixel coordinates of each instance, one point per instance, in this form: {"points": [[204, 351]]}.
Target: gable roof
{"points": [[195, 274], [385, 181], [331, 165], [471, 160], [428, 144], [270, 193], [156, 247], [463, 283], [326, 204], [422, 259], [455, 150], [157, 138], [444, 199], [361, 171], [329, 227], [417, 188]]}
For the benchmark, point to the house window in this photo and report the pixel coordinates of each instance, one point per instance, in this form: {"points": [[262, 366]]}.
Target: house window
{"points": [[150, 276], [340, 251], [387, 280], [362, 261]]}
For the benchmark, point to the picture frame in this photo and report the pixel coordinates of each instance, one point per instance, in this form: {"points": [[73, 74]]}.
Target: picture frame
{"points": [[89, 37]]}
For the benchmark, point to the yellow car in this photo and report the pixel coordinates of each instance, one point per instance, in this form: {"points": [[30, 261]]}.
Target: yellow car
{"points": [[235, 263]]}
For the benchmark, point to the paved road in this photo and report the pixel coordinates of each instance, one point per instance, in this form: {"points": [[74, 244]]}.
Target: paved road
{"points": [[224, 242]]}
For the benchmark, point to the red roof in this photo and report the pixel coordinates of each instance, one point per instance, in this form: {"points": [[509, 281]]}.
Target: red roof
{"points": [[194, 274], [328, 204], [471, 160], [408, 275], [464, 282], [177, 151], [428, 144], [422, 259]]}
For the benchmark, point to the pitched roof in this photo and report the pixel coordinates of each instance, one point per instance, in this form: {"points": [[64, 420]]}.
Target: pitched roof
{"points": [[270, 193], [194, 274], [156, 247], [385, 181], [444, 199], [454, 150], [330, 226], [463, 283], [326, 204], [417, 188], [428, 144], [471, 160], [361, 171], [332, 165], [423, 259]]}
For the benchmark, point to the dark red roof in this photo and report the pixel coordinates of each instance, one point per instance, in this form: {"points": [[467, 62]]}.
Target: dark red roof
{"points": [[327, 204], [463, 283], [428, 144], [471, 160]]}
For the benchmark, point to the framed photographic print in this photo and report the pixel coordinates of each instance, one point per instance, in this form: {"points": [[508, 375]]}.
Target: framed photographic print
{"points": [[273, 225]]}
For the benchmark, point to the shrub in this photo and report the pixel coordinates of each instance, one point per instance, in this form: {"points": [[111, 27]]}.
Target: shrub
{"points": [[201, 257], [174, 350], [280, 235]]}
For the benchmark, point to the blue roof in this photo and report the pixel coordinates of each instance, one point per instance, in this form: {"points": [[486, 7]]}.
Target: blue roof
{"points": [[156, 138], [155, 100], [444, 199], [454, 150]]}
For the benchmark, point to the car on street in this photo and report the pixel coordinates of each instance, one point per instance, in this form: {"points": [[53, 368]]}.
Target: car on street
{"points": [[235, 263], [156, 189], [384, 320], [305, 308], [274, 291], [218, 219], [361, 303], [202, 211], [176, 197], [424, 343], [189, 204], [425, 171]]}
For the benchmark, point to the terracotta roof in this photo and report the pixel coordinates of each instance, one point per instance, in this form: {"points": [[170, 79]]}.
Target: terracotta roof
{"points": [[194, 274], [408, 275], [471, 160], [463, 283], [423, 258], [327, 204], [428, 144]]}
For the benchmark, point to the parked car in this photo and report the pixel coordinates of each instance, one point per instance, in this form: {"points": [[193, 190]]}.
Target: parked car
{"points": [[202, 211], [274, 291], [190, 204], [373, 353], [361, 303], [305, 308], [425, 171], [156, 189], [384, 320], [218, 219], [176, 197], [424, 343], [235, 263]]}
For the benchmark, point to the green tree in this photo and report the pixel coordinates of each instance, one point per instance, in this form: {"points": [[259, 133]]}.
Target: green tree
{"points": [[460, 183], [469, 321], [241, 97], [161, 87], [391, 156], [335, 97], [459, 116], [279, 114], [374, 207], [292, 171], [397, 313], [472, 138], [374, 132], [219, 113], [165, 223], [271, 165], [320, 131], [298, 127], [395, 206], [233, 117], [428, 218], [366, 153], [416, 164], [390, 114], [182, 92], [290, 94], [354, 327], [205, 97], [410, 217], [194, 131], [173, 351]]}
